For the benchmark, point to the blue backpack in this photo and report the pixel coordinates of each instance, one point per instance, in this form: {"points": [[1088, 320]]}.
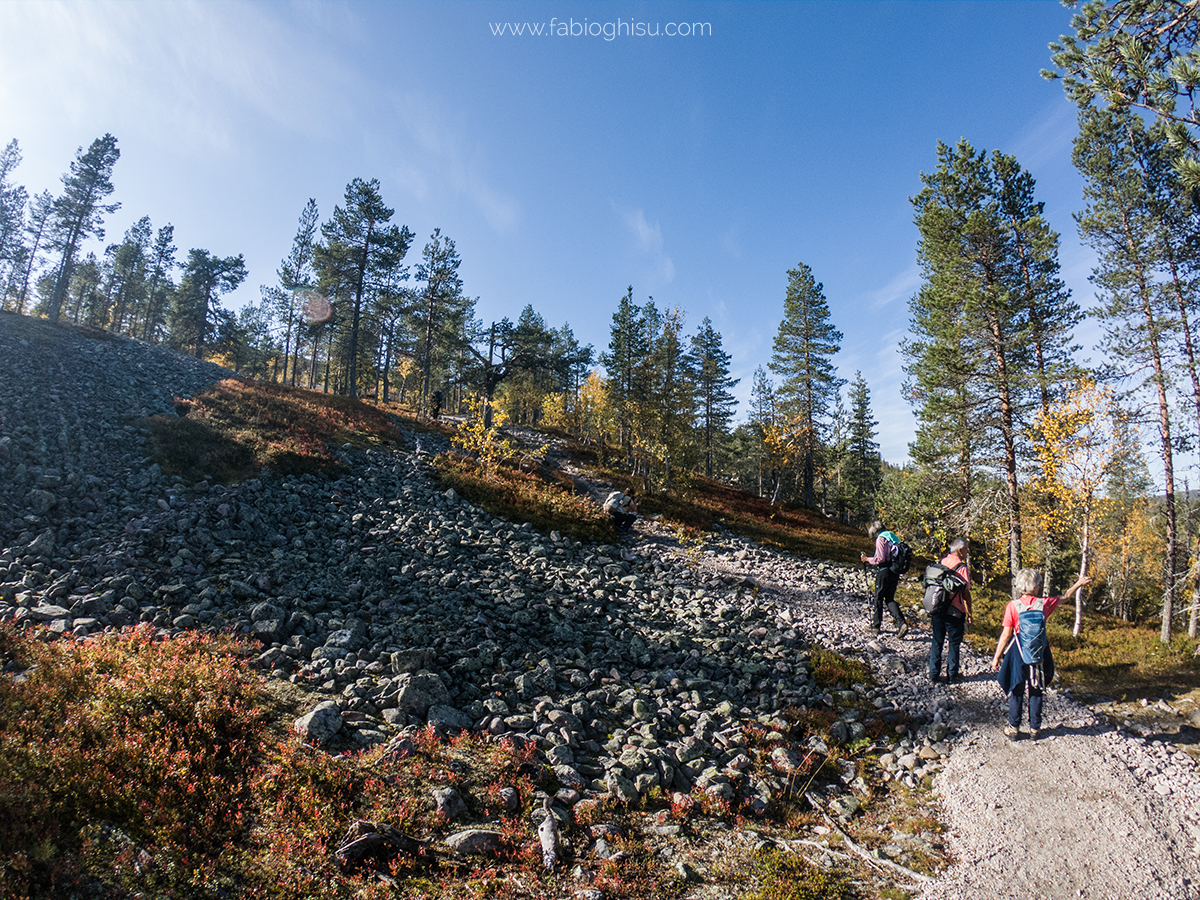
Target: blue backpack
{"points": [[1031, 638]]}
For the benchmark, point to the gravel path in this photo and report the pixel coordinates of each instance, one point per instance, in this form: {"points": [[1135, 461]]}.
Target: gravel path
{"points": [[1088, 811], [629, 667]]}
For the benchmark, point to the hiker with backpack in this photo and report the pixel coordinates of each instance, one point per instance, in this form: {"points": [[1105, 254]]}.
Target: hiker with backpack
{"points": [[892, 559], [949, 608], [1028, 663]]}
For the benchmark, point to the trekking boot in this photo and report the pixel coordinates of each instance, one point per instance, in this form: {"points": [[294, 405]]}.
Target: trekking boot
{"points": [[902, 632], [1012, 732], [1035, 733]]}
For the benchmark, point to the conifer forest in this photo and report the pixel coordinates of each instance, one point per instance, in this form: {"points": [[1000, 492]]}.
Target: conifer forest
{"points": [[1039, 459]]}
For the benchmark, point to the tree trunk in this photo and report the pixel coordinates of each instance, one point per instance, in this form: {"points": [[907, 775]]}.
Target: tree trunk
{"points": [[1083, 562], [1164, 428], [1010, 449]]}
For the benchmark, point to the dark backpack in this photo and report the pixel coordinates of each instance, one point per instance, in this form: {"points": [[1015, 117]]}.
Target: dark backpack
{"points": [[901, 557], [941, 587]]}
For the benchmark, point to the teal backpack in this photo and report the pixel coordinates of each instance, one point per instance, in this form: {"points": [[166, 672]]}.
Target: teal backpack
{"points": [[1031, 638]]}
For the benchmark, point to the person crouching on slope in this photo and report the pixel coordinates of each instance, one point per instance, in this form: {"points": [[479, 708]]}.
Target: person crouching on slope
{"points": [[886, 579], [1027, 658], [622, 509]]}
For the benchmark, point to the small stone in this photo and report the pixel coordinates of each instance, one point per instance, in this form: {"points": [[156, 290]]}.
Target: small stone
{"points": [[474, 842], [785, 760], [510, 799], [450, 804], [844, 805], [621, 787]]}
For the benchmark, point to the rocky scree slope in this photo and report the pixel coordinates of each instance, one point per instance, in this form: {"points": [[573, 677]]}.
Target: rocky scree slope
{"points": [[630, 668]]}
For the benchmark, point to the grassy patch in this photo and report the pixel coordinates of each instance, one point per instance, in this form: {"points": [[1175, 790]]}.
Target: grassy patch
{"points": [[830, 669], [546, 502], [789, 877], [236, 427]]}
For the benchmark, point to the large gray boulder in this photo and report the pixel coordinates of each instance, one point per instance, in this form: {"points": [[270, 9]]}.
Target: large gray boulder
{"points": [[321, 724]]}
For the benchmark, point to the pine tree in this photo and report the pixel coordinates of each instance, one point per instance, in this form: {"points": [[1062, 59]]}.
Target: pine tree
{"points": [[193, 313], [990, 324], [391, 306], [78, 213], [130, 266], [673, 415], [1115, 154], [863, 469], [296, 276], [1138, 55], [803, 358], [835, 462], [1126, 544], [357, 255], [710, 374], [626, 347], [12, 222], [762, 422], [528, 368], [85, 296], [441, 311], [159, 286], [37, 230]]}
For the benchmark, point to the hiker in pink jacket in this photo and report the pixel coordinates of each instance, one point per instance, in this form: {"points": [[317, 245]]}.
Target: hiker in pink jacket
{"points": [[886, 579]]}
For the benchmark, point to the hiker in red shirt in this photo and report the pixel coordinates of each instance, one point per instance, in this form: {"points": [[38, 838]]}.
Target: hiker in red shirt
{"points": [[953, 621], [1027, 661]]}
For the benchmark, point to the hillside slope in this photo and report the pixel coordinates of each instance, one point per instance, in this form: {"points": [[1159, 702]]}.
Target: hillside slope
{"points": [[637, 672]]}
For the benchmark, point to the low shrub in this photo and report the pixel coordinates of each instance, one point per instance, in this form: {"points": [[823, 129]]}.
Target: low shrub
{"points": [[541, 500], [830, 669], [789, 877], [130, 736]]}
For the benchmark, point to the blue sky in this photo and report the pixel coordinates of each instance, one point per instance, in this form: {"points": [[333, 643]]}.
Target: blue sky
{"points": [[697, 169]]}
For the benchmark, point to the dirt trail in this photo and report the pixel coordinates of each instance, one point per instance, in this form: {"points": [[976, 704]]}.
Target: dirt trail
{"points": [[1087, 811], [1067, 816]]}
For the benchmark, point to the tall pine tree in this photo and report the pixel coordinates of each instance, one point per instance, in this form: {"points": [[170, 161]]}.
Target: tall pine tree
{"points": [[1122, 163], [296, 277], [12, 222], [710, 375], [193, 314], [803, 359], [78, 213], [863, 470], [359, 250], [441, 310], [990, 324], [159, 286]]}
